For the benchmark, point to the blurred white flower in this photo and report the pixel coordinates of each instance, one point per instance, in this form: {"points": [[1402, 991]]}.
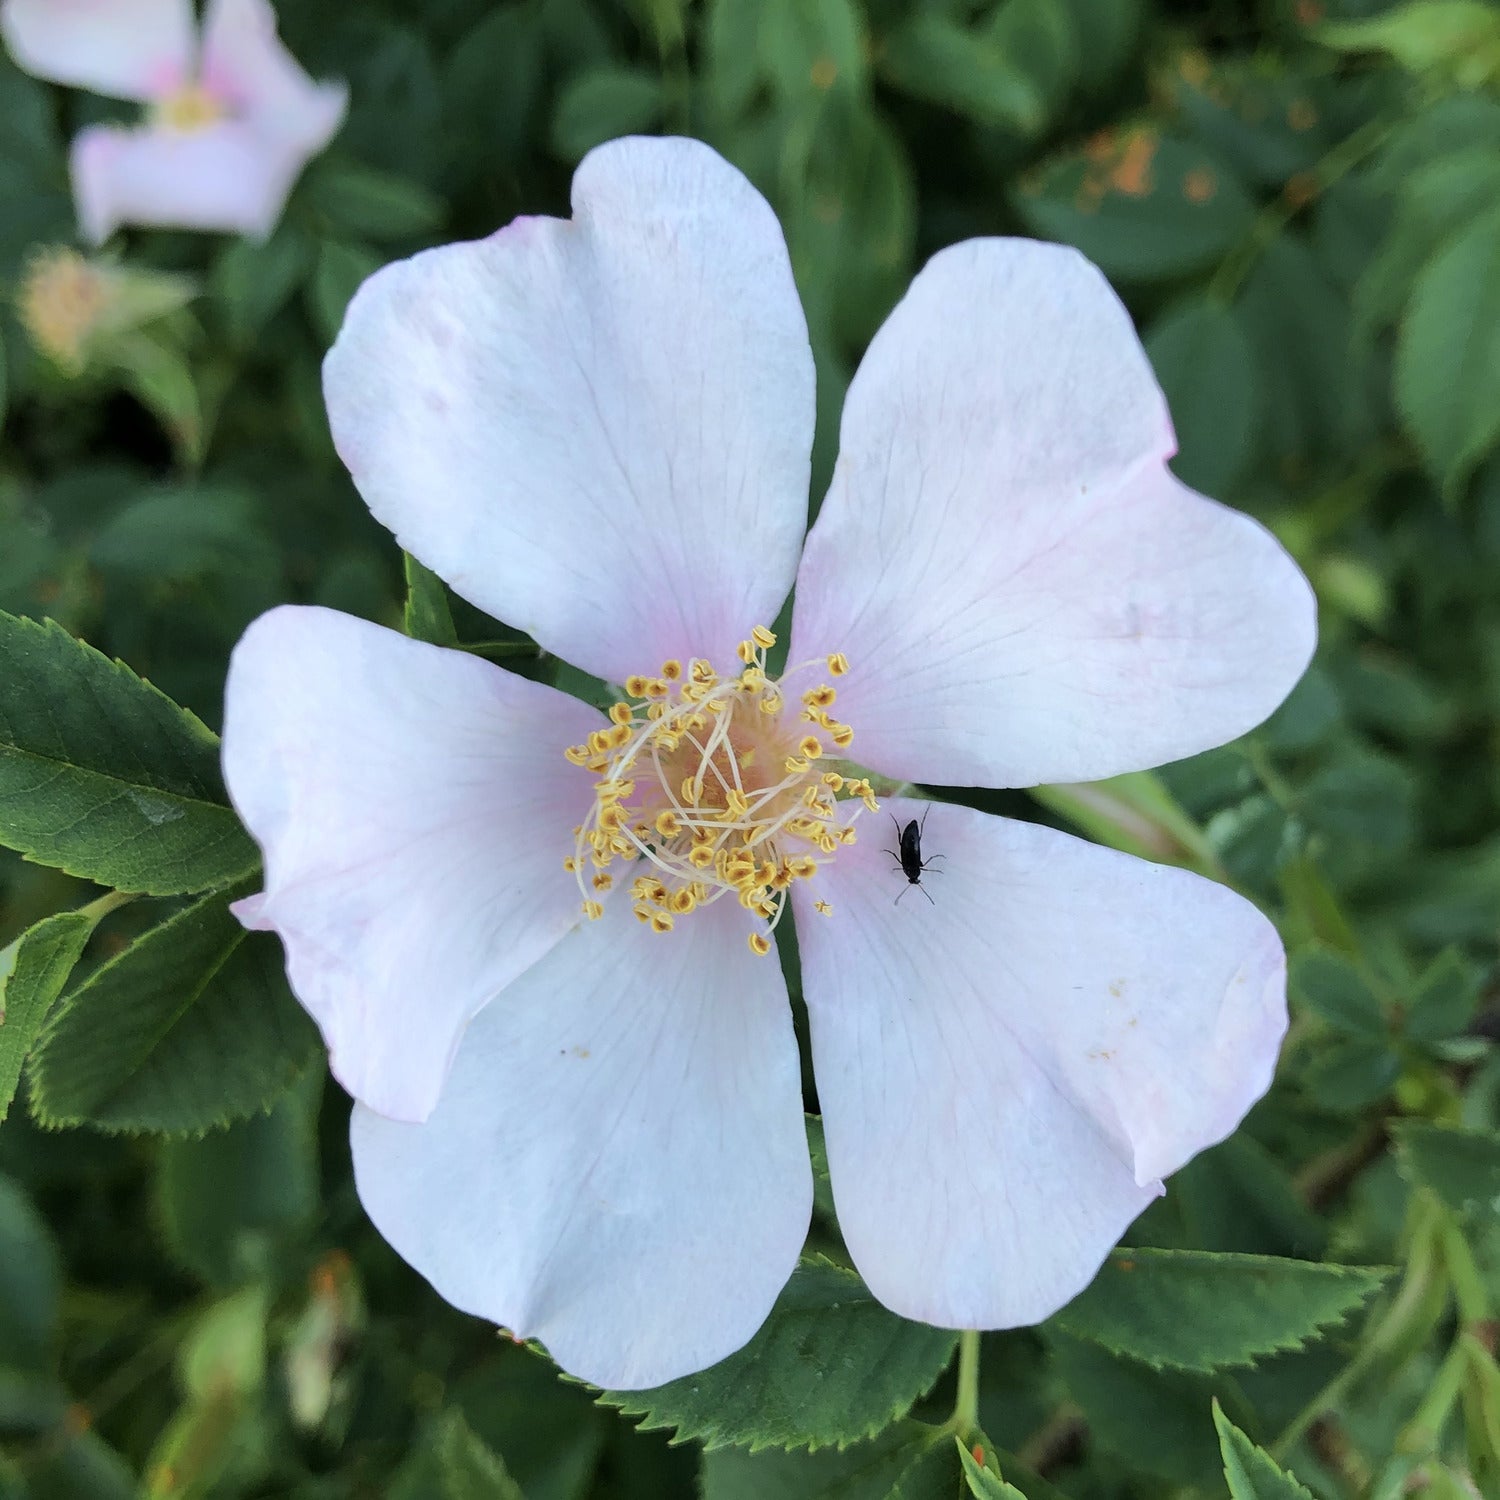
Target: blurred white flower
{"points": [[231, 117]]}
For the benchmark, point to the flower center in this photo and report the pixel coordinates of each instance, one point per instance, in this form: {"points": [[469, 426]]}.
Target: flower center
{"points": [[61, 302], [717, 787], [190, 108]]}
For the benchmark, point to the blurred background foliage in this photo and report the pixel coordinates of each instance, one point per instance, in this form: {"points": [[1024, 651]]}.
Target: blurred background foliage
{"points": [[1300, 202]]}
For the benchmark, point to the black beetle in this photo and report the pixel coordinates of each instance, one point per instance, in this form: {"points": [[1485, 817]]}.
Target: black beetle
{"points": [[910, 860]]}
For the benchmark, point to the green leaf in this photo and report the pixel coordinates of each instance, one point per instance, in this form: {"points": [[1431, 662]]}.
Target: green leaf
{"points": [[1141, 205], [909, 1461], [186, 532], [1251, 1472], [188, 1028], [1201, 1310], [1460, 1165], [812, 46], [30, 1281], [367, 204], [33, 971], [226, 1350], [223, 1198], [1207, 369], [254, 280], [1350, 1074], [1459, 39], [159, 376], [1330, 986], [829, 1366], [1445, 999], [337, 275], [453, 1464], [1447, 375], [105, 777], [982, 1482], [601, 103], [944, 62], [427, 616]]}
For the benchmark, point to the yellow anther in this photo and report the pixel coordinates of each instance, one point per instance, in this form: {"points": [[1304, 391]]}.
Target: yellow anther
{"points": [[771, 703], [671, 670], [803, 867], [763, 637], [642, 915], [838, 664], [737, 805], [810, 748], [796, 766], [752, 679], [621, 713], [658, 689], [745, 651], [636, 686], [702, 673], [760, 944], [690, 791], [661, 921], [592, 910], [668, 824], [841, 734], [833, 781], [577, 754], [822, 908], [683, 901], [701, 856], [603, 882], [570, 864], [820, 697]]}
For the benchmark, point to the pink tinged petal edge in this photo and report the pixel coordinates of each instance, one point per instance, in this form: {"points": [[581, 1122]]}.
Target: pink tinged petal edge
{"points": [[127, 49], [617, 1166], [1006, 1075], [414, 809], [598, 430], [1024, 592], [245, 64], [223, 177]]}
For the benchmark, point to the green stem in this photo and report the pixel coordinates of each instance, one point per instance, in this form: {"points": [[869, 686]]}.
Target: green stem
{"points": [[965, 1418], [500, 649]]}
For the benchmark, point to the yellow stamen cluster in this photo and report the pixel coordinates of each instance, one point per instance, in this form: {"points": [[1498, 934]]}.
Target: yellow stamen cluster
{"points": [[717, 789], [190, 108], [62, 300]]}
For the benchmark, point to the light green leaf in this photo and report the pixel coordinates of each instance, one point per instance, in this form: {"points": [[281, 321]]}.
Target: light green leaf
{"points": [[453, 1464], [105, 777], [1456, 38], [1447, 374], [1207, 369], [33, 971], [1462, 1166], [602, 103], [158, 375], [190, 1027], [1200, 1310], [1251, 1472], [829, 1366], [983, 1482], [225, 1353], [812, 46], [427, 616]]}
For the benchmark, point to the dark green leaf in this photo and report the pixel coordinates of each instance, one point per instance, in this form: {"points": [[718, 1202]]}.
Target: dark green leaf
{"points": [[1198, 1310], [187, 532], [33, 971], [1445, 998], [812, 46], [908, 1461], [190, 1027], [453, 1464], [255, 280], [105, 777], [366, 204], [337, 275], [829, 1366], [1141, 205], [1250, 1471], [30, 1281], [1207, 369], [1461, 1166], [1328, 984], [1351, 1074], [937, 59], [602, 103]]}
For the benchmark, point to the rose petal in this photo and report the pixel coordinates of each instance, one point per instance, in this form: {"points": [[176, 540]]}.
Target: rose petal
{"points": [[415, 809], [1024, 592], [245, 64], [224, 176], [617, 1166], [128, 49], [597, 430], [1006, 1071]]}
